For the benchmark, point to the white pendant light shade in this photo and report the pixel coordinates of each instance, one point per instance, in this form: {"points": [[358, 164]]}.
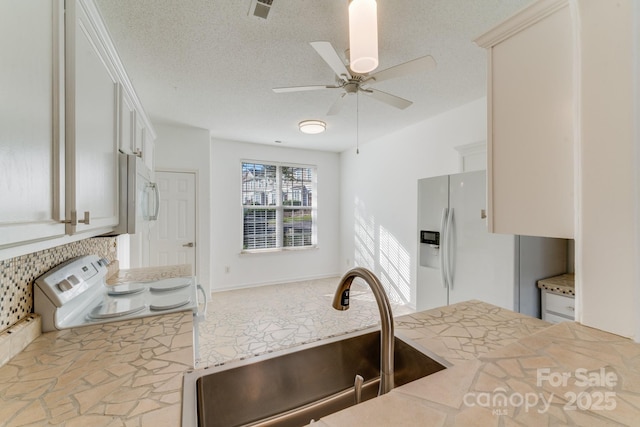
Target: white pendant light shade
{"points": [[312, 126], [363, 36]]}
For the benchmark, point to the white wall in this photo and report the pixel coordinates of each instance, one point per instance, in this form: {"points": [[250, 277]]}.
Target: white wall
{"points": [[606, 238], [379, 193], [636, 115], [230, 268], [181, 148]]}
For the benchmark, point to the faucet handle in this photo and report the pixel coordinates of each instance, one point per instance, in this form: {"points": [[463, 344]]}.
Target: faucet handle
{"points": [[341, 297], [344, 299], [357, 387]]}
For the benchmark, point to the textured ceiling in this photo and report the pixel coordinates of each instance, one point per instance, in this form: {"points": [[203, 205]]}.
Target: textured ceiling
{"points": [[212, 64]]}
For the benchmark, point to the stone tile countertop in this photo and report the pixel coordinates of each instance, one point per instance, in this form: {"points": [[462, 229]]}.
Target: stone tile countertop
{"points": [[563, 284], [113, 374], [129, 373], [147, 274], [508, 370]]}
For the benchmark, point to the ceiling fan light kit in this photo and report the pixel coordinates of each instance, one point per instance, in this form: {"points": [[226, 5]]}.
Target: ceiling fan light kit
{"points": [[312, 126], [362, 29], [363, 36]]}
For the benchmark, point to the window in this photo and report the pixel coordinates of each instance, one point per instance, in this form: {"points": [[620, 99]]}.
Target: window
{"points": [[278, 206]]}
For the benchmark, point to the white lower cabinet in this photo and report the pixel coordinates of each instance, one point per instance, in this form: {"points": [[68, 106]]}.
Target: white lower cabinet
{"points": [[557, 308]]}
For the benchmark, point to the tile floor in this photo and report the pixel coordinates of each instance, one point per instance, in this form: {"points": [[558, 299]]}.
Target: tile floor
{"points": [[253, 321]]}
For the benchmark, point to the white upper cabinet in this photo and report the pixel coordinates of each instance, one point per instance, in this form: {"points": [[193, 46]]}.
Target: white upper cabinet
{"points": [[91, 124], [136, 136], [30, 186], [531, 121], [144, 141], [127, 122], [67, 108]]}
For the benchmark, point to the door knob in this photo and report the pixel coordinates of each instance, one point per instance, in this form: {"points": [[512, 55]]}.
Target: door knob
{"points": [[188, 245]]}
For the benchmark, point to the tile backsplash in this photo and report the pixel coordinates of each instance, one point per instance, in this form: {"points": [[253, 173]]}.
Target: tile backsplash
{"points": [[18, 274]]}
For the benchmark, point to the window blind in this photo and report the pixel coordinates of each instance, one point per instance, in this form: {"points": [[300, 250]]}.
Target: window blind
{"points": [[278, 206]]}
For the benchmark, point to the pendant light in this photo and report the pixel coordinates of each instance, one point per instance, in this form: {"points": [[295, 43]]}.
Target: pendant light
{"points": [[363, 36]]}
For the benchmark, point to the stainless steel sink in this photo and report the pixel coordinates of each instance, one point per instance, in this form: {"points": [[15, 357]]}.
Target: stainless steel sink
{"points": [[290, 388]]}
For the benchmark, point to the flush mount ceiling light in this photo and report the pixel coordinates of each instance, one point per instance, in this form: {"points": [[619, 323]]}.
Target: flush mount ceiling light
{"points": [[363, 36], [312, 126]]}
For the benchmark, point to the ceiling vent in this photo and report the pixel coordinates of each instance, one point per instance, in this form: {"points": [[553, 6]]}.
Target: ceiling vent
{"points": [[260, 8]]}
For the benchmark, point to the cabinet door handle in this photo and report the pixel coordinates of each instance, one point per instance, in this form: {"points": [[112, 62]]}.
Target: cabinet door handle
{"points": [[74, 219], [188, 245], [87, 218]]}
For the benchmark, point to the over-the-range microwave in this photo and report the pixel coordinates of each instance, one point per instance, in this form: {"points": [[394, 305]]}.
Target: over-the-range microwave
{"points": [[139, 197]]}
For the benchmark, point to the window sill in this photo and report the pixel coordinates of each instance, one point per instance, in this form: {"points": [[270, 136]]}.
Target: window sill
{"points": [[277, 250]]}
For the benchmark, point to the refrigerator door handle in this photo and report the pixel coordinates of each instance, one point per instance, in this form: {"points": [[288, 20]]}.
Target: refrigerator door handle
{"points": [[451, 253], [156, 209], [443, 248]]}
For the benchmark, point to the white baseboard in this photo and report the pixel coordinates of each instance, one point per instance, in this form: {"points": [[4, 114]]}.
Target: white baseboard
{"points": [[274, 282]]}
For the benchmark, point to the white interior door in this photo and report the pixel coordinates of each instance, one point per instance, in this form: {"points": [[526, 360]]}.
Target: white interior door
{"points": [[173, 239]]}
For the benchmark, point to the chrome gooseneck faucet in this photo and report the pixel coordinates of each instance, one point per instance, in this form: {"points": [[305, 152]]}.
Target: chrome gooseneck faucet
{"points": [[341, 302]]}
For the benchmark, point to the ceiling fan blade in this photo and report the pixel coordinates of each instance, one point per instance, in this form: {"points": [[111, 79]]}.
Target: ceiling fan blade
{"points": [[418, 65], [302, 88], [330, 56], [337, 105], [387, 98]]}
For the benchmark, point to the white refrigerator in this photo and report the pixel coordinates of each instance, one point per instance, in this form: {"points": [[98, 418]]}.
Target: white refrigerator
{"points": [[460, 260]]}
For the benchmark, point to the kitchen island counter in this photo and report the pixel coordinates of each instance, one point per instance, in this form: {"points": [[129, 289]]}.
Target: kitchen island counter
{"points": [[130, 372], [565, 374]]}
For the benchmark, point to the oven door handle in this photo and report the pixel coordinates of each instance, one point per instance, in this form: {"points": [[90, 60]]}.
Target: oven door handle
{"points": [[202, 314]]}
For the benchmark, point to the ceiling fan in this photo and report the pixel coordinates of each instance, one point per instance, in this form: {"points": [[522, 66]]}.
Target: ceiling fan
{"points": [[353, 83]]}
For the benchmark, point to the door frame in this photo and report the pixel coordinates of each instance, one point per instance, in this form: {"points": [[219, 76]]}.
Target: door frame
{"points": [[196, 189]]}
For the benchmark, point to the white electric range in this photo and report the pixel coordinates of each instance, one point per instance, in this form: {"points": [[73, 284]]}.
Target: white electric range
{"points": [[75, 294]]}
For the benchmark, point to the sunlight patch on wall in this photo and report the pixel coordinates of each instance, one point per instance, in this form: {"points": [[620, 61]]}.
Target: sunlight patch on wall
{"points": [[395, 263], [378, 250], [364, 228]]}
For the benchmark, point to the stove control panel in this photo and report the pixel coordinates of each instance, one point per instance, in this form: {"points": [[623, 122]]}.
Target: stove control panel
{"points": [[67, 284], [72, 278]]}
